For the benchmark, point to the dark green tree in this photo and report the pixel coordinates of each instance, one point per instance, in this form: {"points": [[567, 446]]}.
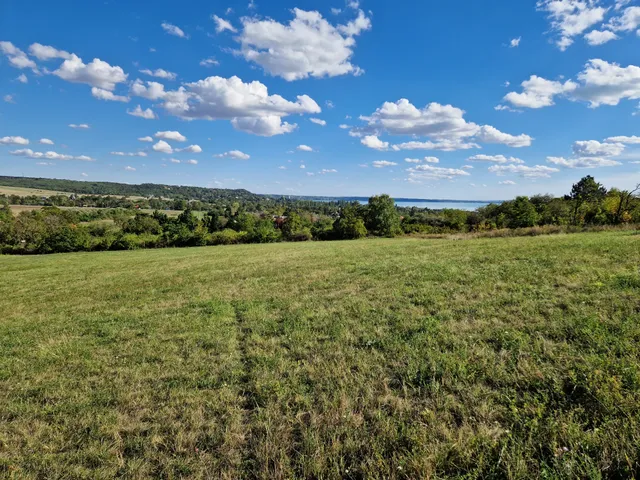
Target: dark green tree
{"points": [[293, 227], [142, 223], [587, 190], [349, 225], [523, 213], [382, 216]]}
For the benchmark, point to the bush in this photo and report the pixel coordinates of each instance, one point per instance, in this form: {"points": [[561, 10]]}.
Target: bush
{"points": [[350, 228], [227, 237], [142, 223], [65, 239]]}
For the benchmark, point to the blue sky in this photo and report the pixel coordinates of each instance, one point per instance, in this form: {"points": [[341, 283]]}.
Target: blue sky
{"points": [[455, 100]]}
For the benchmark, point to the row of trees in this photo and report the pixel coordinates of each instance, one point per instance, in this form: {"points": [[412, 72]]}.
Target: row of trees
{"points": [[52, 229]]}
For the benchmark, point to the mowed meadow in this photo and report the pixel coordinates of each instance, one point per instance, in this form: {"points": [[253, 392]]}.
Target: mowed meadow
{"points": [[383, 358]]}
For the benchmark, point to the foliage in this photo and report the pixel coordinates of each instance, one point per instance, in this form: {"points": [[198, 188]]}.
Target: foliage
{"points": [[350, 226], [382, 216], [142, 223], [61, 229]]}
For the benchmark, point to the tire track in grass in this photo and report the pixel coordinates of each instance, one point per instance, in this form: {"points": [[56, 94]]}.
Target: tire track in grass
{"points": [[247, 392]]}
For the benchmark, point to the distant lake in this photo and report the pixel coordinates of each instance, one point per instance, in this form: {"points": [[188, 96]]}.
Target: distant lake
{"points": [[431, 204], [442, 205]]}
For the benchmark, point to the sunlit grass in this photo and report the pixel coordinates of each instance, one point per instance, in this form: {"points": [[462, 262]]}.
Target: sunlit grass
{"points": [[405, 358]]}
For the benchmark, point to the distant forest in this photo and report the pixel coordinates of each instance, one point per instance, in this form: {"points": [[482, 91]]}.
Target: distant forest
{"points": [[123, 189]]}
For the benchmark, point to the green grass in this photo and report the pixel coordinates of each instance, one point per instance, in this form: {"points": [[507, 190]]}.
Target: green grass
{"points": [[401, 358], [26, 192], [18, 209]]}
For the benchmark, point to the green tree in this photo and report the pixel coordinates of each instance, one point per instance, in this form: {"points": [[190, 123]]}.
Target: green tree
{"points": [[142, 223], [188, 219], [294, 228], [523, 213], [265, 232], [587, 190], [623, 205], [7, 223], [349, 225], [242, 222], [382, 216]]}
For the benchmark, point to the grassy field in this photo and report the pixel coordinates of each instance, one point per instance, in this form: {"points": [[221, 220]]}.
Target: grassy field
{"points": [[400, 358], [25, 192], [17, 209]]}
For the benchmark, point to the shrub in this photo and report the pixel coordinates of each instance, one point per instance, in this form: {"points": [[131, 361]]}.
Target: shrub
{"points": [[265, 232], [67, 238], [142, 223], [227, 237]]}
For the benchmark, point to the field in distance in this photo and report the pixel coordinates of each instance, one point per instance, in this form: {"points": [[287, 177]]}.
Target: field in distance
{"points": [[385, 358], [17, 209], [26, 192]]}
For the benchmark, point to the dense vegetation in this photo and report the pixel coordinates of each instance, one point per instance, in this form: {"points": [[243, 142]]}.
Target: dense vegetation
{"points": [[127, 190], [52, 229], [384, 359]]}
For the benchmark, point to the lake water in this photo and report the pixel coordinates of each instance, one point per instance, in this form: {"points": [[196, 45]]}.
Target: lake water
{"points": [[470, 206]]}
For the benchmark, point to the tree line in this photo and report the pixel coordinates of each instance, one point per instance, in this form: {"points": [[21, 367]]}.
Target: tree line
{"points": [[52, 229]]}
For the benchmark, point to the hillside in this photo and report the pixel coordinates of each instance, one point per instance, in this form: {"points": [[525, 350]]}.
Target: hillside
{"points": [[385, 358], [127, 190]]}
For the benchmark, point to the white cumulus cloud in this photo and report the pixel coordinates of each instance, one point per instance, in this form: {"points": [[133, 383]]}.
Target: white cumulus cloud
{"points": [[190, 149], [46, 141], [96, 73], [383, 164], [46, 52], [539, 92], [162, 147], [309, 46], [600, 83], [14, 141], [593, 148], [147, 114], [101, 94], [27, 152], [583, 162], [494, 159], [421, 173], [17, 58], [633, 140], [235, 154], [489, 134], [160, 73], [248, 106], [129, 154], [444, 125], [374, 142], [537, 171], [600, 37], [318, 121], [171, 135], [570, 18]]}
